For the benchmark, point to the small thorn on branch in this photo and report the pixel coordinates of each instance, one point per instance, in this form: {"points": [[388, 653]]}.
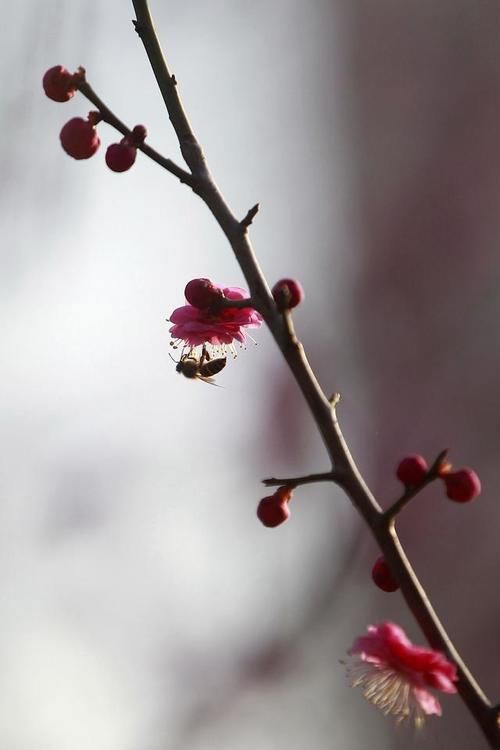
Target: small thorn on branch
{"points": [[173, 79], [139, 28], [251, 214], [334, 400], [440, 464]]}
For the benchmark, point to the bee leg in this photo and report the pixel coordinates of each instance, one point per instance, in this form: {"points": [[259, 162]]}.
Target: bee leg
{"points": [[205, 356]]}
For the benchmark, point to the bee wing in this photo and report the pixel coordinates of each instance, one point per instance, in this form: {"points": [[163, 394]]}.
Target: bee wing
{"points": [[208, 369], [210, 381]]}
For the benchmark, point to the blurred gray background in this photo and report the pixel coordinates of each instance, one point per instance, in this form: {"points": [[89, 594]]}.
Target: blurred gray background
{"points": [[142, 605]]}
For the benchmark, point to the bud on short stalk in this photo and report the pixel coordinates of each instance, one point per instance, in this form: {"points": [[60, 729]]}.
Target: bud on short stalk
{"points": [[382, 576], [287, 293], [79, 137], [273, 510], [202, 294], [412, 470], [60, 85], [462, 485]]}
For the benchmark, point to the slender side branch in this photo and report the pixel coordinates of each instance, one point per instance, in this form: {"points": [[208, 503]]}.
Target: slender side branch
{"points": [[323, 411], [433, 473], [239, 304], [250, 216], [326, 476], [109, 117]]}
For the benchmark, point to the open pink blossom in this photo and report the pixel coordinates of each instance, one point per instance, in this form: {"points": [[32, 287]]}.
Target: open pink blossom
{"points": [[218, 328], [396, 676]]}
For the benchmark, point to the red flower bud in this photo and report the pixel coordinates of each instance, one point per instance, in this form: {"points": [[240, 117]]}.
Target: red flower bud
{"points": [[462, 485], [120, 156], [201, 293], [382, 576], [273, 510], [59, 84], [412, 470], [138, 136], [287, 293], [79, 138], [284, 493]]}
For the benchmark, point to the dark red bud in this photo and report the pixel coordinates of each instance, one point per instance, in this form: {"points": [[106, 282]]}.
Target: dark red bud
{"points": [[201, 293], [139, 134], [120, 156], [412, 470], [79, 138], [462, 485], [382, 576], [272, 511], [59, 84], [287, 293]]}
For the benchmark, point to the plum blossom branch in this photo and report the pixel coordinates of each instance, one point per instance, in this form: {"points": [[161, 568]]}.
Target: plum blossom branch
{"points": [[323, 410]]}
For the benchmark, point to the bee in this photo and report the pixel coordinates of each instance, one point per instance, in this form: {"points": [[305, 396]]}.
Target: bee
{"points": [[203, 368]]}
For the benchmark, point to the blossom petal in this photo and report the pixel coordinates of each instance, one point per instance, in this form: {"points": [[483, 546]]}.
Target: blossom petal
{"points": [[428, 702], [197, 326], [395, 674]]}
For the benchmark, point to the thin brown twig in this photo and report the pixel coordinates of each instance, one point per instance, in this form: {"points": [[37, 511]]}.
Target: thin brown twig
{"points": [[324, 413], [108, 116], [433, 474], [326, 476], [250, 215], [240, 304]]}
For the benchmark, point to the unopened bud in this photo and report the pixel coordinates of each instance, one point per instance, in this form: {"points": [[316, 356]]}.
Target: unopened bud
{"points": [[412, 470]]}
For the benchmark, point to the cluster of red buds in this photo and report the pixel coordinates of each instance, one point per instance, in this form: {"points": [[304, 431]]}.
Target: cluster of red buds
{"points": [[273, 510], [462, 485], [79, 136]]}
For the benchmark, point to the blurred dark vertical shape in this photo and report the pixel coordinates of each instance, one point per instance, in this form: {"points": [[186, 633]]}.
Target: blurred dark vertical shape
{"points": [[423, 81]]}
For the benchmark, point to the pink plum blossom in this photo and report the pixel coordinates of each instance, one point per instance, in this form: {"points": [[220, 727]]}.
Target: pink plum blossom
{"points": [[396, 676], [216, 327]]}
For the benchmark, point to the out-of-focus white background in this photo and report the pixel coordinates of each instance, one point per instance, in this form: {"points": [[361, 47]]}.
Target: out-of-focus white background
{"points": [[141, 603]]}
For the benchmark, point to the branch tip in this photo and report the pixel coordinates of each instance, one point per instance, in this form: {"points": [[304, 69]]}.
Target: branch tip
{"points": [[334, 400], [327, 476], [439, 463], [250, 216]]}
